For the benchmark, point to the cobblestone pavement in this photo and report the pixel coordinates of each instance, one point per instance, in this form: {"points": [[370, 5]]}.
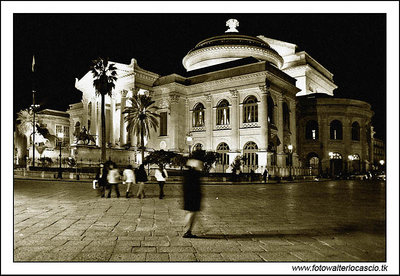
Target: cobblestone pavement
{"points": [[311, 221]]}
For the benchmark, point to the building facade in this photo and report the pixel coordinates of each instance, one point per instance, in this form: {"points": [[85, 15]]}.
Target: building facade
{"points": [[241, 95]]}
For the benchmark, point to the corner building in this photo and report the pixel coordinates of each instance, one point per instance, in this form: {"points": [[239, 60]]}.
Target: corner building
{"points": [[240, 96]]}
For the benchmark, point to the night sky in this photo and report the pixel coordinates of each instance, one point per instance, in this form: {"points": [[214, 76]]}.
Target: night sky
{"points": [[351, 46]]}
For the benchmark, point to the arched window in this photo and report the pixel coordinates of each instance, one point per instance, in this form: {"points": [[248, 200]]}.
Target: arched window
{"points": [[223, 113], [286, 116], [312, 132], [271, 106], [250, 110], [223, 150], [355, 131], [336, 130], [198, 115], [251, 157]]}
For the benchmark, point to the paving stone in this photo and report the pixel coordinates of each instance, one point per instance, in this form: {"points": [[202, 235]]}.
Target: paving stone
{"points": [[278, 257], [185, 249], [92, 257], [157, 257], [241, 257], [209, 257], [128, 257], [182, 257]]}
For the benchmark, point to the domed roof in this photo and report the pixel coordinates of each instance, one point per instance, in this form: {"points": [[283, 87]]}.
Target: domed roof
{"points": [[228, 47]]}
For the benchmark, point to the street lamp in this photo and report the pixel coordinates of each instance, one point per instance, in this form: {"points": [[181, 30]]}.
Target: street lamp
{"points": [[60, 136], [351, 158], [189, 141], [290, 147], [331, 162]]}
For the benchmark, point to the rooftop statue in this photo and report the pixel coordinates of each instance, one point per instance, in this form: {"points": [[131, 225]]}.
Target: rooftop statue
{"points": [[232, 24]]}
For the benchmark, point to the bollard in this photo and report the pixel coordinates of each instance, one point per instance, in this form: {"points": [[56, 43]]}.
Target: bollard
{"points": [[77, 177], [42, 174], [71, 175]]}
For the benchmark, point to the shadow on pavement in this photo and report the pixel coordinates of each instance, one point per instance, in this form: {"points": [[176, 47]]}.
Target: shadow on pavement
{"points": [[377, 228]]}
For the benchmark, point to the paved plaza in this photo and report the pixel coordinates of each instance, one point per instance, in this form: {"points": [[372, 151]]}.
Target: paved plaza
{"points": [[288, 222]]}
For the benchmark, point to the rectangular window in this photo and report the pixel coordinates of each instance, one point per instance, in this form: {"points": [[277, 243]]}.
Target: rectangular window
{"points": [[163, 124], [66, 135], [59, 129]]}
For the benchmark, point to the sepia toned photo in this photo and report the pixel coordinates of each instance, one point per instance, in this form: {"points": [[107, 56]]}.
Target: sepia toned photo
{"points": [[214, 138]]}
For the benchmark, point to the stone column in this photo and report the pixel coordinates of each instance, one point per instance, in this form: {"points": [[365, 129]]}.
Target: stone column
{"points": [[263, 120], [324, 139], [174, 126], [85, 113], [293, 131], [280, 153], [111, 122], [122, 124], [93, 119], [234, 147], [208, 122], [98, 120]]}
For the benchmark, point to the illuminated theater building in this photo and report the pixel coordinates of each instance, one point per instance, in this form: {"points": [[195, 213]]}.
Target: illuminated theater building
{"points": [[241, 95]]}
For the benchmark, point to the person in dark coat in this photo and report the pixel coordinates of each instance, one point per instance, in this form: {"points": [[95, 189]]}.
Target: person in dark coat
{"points": [[141, 178], [265, 175], [192, 194], [102, 178]]}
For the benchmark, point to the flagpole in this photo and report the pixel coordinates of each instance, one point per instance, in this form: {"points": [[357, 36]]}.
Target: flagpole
{"points": [[33, 106]]}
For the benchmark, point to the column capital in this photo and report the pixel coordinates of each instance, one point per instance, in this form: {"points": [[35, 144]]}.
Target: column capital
{"points": [[264, 89], [174, 98], [234, 93], [124, 93], [85, 101], [208, 97]]}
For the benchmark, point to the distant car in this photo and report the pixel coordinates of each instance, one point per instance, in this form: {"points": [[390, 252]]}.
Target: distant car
{"points": [[381, 176], [359, 176]]}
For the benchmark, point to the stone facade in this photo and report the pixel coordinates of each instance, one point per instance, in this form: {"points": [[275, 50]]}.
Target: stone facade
{"points": [[242, 95]]}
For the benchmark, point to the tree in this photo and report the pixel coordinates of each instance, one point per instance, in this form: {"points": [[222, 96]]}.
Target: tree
{"points": [[208, 158], [141, 116], [105, 76], [24, 126], [160, 157]]}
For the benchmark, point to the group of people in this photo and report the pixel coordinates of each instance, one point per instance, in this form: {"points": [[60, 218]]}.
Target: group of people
{"points": [[109, 177]]}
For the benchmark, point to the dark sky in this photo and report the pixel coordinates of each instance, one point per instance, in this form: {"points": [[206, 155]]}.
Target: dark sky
{"points": [[351, 46]]}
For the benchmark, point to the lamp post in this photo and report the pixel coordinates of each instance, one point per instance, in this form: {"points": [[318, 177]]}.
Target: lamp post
{"points": [[290, 147], [60, 136], [189, 141], [382, 162], [331, 163], [350, 158]]}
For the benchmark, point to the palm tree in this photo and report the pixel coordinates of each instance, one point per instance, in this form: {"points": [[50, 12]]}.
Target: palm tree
{"points": [[24, 126], [141, 116], [104, 75]]}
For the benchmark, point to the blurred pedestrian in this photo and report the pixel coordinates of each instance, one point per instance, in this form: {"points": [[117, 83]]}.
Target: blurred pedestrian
{"points": [[141, 178], [129, 179], [265, 175], [161, 176], [192, 194], [113, 178], [101, 177]]}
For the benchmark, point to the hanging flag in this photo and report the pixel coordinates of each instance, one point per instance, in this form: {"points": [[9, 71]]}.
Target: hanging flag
{"points": [[33, 64]]}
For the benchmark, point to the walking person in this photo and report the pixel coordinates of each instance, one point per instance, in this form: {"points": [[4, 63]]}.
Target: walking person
{"points": [[101, 177], [265, 175], [161, 176], [113, 178], [129, 179], [192, 194], [141, 178]]}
